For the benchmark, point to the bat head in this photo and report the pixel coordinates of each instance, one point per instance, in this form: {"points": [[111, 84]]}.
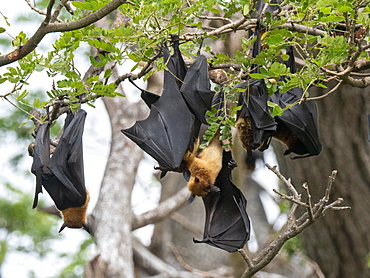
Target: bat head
{"points": [[201, 182]]}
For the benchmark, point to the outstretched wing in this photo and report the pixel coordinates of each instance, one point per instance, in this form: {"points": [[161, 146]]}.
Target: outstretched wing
{"points": [[227, 224]]}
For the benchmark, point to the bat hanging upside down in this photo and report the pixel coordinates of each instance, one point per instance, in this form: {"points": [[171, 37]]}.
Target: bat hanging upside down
{"points": [[204, 167], [62, 174]]}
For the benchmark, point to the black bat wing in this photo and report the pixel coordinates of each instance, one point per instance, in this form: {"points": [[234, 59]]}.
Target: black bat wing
{"points": [[66, 166], [41, 157], [180, 68], [301, 119], [227, 224], [166, 133], [148, 97], [196, 88], [254, 105]]}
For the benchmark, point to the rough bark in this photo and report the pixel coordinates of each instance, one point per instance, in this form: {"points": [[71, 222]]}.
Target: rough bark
{"points": [[112, 214], [340, 242]]}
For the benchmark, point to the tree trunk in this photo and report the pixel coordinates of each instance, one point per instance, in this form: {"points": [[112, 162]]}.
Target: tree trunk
{"points": [[112, 214], [340, 242]]}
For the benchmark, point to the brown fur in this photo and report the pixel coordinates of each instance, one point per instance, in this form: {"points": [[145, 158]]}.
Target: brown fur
{"points": [[286, 136], [204, 167], [245, 131], [76, 217]]}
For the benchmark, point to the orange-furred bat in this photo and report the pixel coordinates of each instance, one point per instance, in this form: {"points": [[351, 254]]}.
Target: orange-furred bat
{"points": [[62, 175], [204, 167]]}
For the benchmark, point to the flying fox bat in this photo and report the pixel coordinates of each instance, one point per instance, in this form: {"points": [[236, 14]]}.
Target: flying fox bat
{"points": [[167, 132], [297, 127], [204, 167], [62, 175], [255, 125], [170, 131], [227, 224]]}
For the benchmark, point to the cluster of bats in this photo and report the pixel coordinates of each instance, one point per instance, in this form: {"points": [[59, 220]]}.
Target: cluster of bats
{"points": [[172, 133]]}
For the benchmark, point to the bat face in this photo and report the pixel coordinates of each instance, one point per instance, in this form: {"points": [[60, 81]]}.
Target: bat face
{"points": [[204, 168], [62, 175]]}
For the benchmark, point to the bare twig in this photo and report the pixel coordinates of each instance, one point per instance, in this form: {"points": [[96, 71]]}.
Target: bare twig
{"points": [[326, 94], [308, 201], [293, 226]]}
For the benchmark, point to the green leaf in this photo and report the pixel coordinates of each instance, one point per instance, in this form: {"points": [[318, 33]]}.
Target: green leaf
{"points": [[256, 76], [345, 9], [246, 9]]}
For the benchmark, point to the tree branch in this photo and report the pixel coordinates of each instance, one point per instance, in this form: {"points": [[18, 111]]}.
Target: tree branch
{"points": [[293, 226], [162, 211], [46, 28]]}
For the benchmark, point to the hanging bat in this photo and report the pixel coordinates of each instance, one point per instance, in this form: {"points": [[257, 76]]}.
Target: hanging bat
{"points": [[254, 124], [227, 224], [62, 175], [204, 167], [166, 133], [297, 127]]}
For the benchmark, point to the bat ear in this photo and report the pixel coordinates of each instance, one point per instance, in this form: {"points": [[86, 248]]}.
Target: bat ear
{"points": [[213, 188], [191, 199], [86, 227], [63, 226]]}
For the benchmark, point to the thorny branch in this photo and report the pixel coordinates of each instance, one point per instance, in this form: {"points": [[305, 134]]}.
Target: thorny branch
{"points": [[295, 225]]}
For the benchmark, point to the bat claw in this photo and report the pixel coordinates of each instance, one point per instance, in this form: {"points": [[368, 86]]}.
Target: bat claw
{"points": [[86, 227], [62, 228], [232, 164], [191, 199]]}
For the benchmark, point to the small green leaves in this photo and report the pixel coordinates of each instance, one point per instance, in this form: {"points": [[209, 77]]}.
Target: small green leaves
{"points": [[19, 40]]}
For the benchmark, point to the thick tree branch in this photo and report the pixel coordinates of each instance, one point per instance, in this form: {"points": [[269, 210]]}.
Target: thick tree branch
{"points": [[46, 28], [162, 211]]}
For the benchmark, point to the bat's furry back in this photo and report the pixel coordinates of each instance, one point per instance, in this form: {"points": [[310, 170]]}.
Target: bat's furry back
{"points": [[75, 217]]}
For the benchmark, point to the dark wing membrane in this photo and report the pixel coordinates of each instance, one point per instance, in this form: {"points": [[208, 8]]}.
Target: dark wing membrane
{"points": [[180, 68], [301, 119], [227, 224], [166, 133], [148, 97], [196, 88], [41, 157], [254, 106], [298, 126], [66, 164]]}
